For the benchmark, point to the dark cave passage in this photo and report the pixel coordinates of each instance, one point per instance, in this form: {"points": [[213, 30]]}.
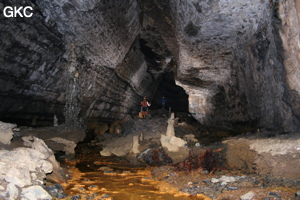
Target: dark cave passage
{"points": [[176, 97]]}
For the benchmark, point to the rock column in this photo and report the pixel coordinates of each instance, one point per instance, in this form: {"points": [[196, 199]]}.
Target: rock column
{"points": [[72, 107]]}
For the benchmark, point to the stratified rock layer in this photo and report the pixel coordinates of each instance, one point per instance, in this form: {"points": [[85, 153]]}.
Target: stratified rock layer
{"points": [[237, 60]]}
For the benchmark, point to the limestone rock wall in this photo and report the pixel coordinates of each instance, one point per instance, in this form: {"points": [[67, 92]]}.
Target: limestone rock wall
{"points": [[111, 73], [111, 94], [289, 15], [237, 60], [31, 65], [232, 62], [103, 31]]}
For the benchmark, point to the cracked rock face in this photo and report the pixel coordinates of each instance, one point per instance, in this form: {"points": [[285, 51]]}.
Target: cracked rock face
{"points": [[237, 61]]}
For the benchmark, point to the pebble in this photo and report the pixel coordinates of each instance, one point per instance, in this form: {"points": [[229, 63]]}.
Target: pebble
{"points": [[297, 194], [106, 172], [105, 196], [105, 168], [232, 188], [247, 196], [54, 190], [93, 187], [274, 194], [224, 180], [76, 197], [214, 180]]}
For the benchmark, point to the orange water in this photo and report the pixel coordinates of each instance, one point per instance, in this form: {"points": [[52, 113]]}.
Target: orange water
{"points": [[120, 184]]}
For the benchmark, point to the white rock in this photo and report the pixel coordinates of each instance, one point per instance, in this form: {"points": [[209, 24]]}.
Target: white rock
{"points": [[35, 193], [190, 137], [172, 143], [2, 194], [228, 179], [105, 152], [18, 177], [170, 128], [12, 191], [224, 183], [6, 133], [40, 146], [215, 180], [177, 141], [247, 196], [45, 166]]}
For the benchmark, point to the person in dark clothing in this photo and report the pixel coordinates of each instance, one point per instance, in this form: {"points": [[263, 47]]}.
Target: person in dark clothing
{"points": [[163, 103]]}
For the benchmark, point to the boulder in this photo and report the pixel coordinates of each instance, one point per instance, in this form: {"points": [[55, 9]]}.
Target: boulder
{"points": [[57, 138], [62, 144], [12, 191], [154, 157], [26, 168], [35, 192], [277, 156], [6, 133]]}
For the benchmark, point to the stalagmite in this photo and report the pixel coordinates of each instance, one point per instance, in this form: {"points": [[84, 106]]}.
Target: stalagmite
{"points": [[135, 144], [170, 141]]}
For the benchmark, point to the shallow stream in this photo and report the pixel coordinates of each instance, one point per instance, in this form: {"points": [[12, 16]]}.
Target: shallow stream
{"points": [[118, 182]]}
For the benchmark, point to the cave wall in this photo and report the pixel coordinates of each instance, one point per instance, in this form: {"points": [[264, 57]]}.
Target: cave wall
{"points": [[289, 15], [111, 73], [31, 68], [233, 63], [110, 66], [237, 61]]}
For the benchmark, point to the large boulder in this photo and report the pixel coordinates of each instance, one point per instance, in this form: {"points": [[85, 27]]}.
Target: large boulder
{"points": [[277, 156], [24, 169], [59, 138]]}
